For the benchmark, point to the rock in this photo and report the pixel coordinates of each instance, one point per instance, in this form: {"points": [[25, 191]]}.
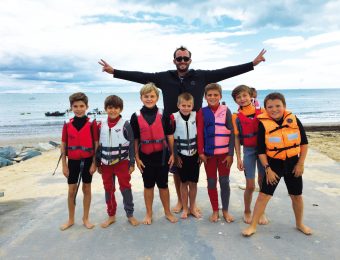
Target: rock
{"points": [[5, 162], [28, 155], [55, 144], [8, 152], [44, 147]]}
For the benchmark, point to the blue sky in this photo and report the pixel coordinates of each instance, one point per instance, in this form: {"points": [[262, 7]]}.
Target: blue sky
{"points": [[54, 46]]}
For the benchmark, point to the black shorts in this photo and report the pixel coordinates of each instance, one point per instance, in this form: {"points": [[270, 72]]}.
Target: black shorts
{"points": [[74, 170], [155, 175], [283, 169], [190, 168]]}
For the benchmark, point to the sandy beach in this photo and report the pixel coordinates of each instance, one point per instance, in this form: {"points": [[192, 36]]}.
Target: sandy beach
{"points": [[34, 206]]}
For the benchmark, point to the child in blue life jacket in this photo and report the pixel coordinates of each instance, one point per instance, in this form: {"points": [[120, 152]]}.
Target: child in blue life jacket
{"points": [[116, 158], [153, 141], [215, 142], [245, 124], [282, 147], [79, 141], [185, 136]]}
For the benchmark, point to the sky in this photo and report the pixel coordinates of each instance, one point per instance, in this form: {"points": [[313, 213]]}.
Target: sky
{"points": [[54, 46]]}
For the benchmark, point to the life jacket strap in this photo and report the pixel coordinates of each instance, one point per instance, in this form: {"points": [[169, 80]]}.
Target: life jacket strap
{"points": [[278, 128], [279, 150], [82, 148]]}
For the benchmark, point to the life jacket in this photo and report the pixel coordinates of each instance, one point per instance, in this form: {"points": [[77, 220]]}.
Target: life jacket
{"points": [[247, 128], [185, 134], [152, 138], [216, 133], [284, 140], [114, 147], [79, 143]]}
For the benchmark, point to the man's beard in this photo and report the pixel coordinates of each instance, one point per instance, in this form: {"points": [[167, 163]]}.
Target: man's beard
{"points": [[182, 70]]}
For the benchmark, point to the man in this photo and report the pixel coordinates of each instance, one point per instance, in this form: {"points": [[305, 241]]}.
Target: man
{"points": [[174, 82]]}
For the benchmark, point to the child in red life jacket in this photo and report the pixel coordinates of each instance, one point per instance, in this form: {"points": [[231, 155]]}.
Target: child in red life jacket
{"points": [[185, 136], [116, 157], [245, 124], [282, 147], [79, 141], [153, 141], [215, 141]]}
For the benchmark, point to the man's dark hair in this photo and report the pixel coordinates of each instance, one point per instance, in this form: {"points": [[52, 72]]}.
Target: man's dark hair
{"points": [[273, 96], [182, 48], [113, 101]]}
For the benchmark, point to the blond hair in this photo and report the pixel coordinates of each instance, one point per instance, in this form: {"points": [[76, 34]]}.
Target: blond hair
{"points": [[185, 97], [147, 88]]}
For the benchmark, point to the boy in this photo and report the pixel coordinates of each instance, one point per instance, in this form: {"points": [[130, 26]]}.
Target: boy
{"points": [[215, 141], [116, 157], [79, 141], [151, 129], [187, 156], [282, 147], [245, 125]]}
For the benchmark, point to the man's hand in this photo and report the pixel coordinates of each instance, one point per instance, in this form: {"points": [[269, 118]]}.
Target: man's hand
{"points": [[259, 57], [106, 67]]}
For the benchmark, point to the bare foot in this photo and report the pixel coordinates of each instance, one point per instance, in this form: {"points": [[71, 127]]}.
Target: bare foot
{"points": [[196, 213], [67, 225], [147, 219], [108, 222], [88, 224], [304, 229], [184, 214], [133, 221], [214, 216], [177, 208], [248, 231], [263, 220], [171, 218], [247, 217], [228, 217]]}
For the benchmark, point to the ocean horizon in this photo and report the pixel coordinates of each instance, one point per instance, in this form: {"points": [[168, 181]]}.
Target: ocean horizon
{"points": [[23, 114]]}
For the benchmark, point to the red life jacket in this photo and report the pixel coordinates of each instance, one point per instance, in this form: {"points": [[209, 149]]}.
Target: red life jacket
{"points": [[152, 138], [79, 143], [248, 128]]}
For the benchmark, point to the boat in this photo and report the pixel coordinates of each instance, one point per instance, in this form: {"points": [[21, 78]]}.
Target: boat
{"points": [[56, 113]]}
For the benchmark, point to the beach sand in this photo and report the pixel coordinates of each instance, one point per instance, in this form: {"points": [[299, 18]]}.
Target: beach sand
{"points": [[34, 206]]}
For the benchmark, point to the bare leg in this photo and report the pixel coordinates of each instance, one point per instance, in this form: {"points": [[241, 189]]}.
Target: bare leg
{"points": [[247, 197], [178, 207], [297, 203], [260, 206], [184, 195], [86, 205], [148, 198], [71, 207], [165, 198], [108, 222], [192, 197], [263, 219]]}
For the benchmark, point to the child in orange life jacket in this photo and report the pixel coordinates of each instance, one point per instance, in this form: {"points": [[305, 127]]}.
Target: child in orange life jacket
{"points": [[187, 156], [245, 124], [215, 142], [116, 157], [282, 148], [152, 130], [79, 141]]}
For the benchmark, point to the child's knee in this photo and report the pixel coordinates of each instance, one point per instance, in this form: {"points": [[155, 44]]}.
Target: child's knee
{"points": [[263, 197], [296, 198], [212, 183], [86, 188]]}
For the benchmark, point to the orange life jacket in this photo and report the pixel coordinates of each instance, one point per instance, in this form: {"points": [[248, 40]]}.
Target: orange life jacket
{"points": [[284, 140]]}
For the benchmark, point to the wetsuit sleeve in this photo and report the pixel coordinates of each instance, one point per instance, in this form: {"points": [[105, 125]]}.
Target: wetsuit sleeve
{"points": [[95, 131], [303, 135], [137, 76], [64, 134], [229, 125], [168, 127], [228, 72], [128, 134], [135, 126], [200, 131], [261, 141]]}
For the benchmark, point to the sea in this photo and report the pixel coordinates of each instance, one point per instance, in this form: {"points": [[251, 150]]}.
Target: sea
{"points": [[23, 115]]}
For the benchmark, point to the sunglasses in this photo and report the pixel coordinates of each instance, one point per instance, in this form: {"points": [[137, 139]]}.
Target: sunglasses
{"points": [[182, 58]]}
